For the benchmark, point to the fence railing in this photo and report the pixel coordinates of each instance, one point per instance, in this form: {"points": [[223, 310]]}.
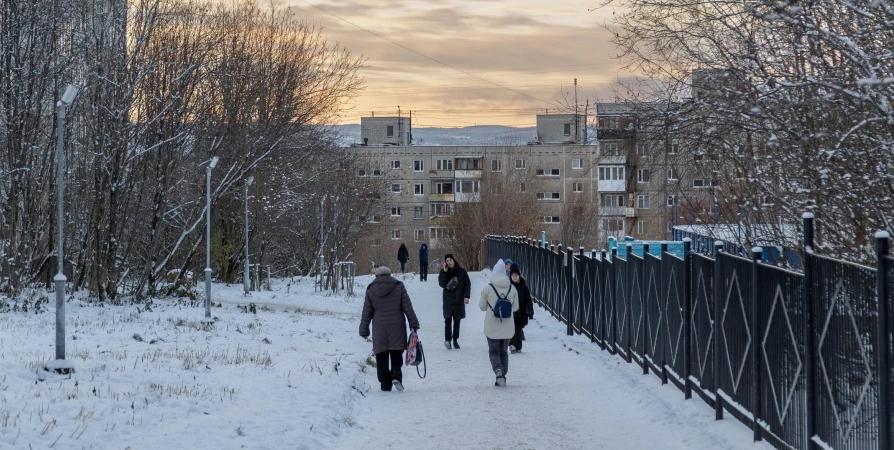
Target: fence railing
{"points": [[804, 359]]}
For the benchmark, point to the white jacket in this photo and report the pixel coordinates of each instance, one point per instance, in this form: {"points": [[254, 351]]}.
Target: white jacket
{"points": [[493, 327]]}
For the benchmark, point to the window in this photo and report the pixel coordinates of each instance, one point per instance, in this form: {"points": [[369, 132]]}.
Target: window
{"points": [[468, 163], [417, 212], [468, 186], [612, 149], [395, 211], [674, 148], [611, 201], [377, 241], [548, 196], [496, 188], [550, 219], [577, 187], [520, 164], [642, 149], [671, 200], [395, 234], [701, 183], [418, 235], [567, 130], [643, 202], [418, 165], [612, 225], [439, 233], [672, 174], [361, 172], [496, 165], [389, 131], [444, 187], [445, 164], [418, 189], [441, 209], [547, 172], [522, 187], [643, 175], [767, 200], [395, 188], [611, 173], [363, 219], [395, 164], [377, 172], [641, 226], [577, 163]]}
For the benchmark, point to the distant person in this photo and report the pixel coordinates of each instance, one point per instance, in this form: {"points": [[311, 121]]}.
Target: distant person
{"points": [[498, 331], [525, 308], [388, 306], [508, 265], [423, 262], [403, 255], [457, 289]]}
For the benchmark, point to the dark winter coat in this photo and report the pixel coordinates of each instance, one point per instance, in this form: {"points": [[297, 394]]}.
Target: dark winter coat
{"points": [[525, 303], [388, 306], [454, 304], [403, 254], [423, 254]]}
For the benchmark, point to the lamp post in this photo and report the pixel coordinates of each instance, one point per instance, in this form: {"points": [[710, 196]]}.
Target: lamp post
{"points": [[211, 165], [246, 278], [67, 98]]}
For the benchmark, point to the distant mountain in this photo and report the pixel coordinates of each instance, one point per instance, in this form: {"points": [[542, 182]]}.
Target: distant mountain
{"points": [[474, 135]]}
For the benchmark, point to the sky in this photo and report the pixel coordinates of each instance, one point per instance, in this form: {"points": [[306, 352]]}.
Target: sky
{"points": [[532, 49]]}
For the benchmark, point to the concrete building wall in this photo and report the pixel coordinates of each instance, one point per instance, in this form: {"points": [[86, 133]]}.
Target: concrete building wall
{"points": [[385, 130], [561, 128]]}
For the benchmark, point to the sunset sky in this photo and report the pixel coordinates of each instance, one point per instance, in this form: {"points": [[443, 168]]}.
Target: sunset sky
{"points": [[532, 48]]}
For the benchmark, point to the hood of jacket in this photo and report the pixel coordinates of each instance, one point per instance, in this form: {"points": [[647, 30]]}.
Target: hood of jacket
{"points": [[383, 285], [500, 281]]}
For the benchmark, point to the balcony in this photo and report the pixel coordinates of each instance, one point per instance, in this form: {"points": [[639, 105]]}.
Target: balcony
{"points": [[440, 197], [630, 212], [441, 174], [612, 211], [467, 197], [612, 186], [476, 174], [439, 220], [611, 159]]}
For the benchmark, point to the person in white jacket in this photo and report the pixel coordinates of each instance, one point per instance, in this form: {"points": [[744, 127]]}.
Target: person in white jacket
{"points": [[498, 331]]}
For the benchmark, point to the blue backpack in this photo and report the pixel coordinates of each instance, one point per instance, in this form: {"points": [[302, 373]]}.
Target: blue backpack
{"points": [[502, 309]]}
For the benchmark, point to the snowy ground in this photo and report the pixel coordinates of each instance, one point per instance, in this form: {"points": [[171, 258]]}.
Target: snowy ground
{"points": [[295, 375]]}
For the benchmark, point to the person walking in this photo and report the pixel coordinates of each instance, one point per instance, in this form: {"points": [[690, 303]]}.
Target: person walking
{"points": [[423, 262], [508, 265], [525, 308], [388, 307], [403, 255], [498, 331], [457, 289]]}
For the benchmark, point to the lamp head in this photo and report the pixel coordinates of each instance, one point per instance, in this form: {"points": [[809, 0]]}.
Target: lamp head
{"points": [[249, 181], [213, 162], [70, 93]]}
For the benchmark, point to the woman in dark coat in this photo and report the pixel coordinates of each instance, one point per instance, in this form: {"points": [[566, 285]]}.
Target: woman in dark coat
{"points": [[423, 262], [388, 306], [455, 297], [403, 255], [525, 308]]}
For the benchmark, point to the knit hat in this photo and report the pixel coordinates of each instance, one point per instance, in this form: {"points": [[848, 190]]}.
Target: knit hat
{"points": [[382, 270], [514, 269], [507, 261], [449, 256]]}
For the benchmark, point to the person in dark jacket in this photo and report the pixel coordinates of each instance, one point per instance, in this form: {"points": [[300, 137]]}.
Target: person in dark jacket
{"points": [[525, 308], [423, 262], [457, 289], [388, 307], [403, 255]]}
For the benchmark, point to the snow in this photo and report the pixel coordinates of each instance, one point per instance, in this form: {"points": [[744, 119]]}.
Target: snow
{"points": [[295, 374]]}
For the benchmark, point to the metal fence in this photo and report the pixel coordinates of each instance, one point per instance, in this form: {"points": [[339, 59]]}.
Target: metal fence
{"points": [[804, 359]]}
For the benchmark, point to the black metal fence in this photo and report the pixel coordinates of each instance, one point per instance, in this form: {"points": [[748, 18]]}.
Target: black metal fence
{"points": [[804, 359]]}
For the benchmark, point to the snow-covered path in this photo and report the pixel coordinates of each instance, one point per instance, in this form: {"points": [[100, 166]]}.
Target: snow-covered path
{"points": [[563, 393]]}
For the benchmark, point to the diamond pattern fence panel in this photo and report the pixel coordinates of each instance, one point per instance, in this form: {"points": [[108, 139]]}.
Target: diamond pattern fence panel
{"points": [[637, 325], [673, 281], [655, 312], [737, 337], [702, 316]]}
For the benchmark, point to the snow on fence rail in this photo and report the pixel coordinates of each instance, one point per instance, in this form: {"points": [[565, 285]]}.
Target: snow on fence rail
{"points": [[801, 358]]}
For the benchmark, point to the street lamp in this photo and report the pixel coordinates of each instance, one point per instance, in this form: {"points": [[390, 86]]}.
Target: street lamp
{"points": [[245, 278], [67, 98], [211, 165]]}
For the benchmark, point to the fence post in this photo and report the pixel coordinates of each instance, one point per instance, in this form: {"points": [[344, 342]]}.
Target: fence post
{"points": [[884, 345], [602, 321], [807, 339], [756, 256], [628, 278], [666, 346], [644, 290], [718, 339], [614, 290], [569, 290], [687, 318]]}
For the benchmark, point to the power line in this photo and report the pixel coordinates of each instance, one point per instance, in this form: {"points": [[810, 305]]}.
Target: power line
{"points": [[426, 56]]}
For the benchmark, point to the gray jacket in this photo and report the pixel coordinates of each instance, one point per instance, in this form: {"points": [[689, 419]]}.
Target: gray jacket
{"points": [[388, 307]]}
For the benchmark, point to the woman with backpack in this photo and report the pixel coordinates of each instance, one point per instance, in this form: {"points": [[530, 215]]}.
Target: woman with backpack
{"points": [[498, 301]]}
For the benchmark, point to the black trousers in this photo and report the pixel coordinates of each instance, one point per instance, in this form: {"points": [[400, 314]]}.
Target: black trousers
{"points": [[518, 336], [386, 373], [403, 266], [423, 271], [447, 326]]}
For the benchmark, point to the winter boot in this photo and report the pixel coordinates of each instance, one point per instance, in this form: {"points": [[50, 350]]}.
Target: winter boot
{"points": [[447, 344], [501, 380], [512, 349], [396, 377], [455, 344]]}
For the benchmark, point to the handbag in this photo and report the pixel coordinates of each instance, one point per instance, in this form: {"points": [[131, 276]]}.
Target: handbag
{"points": [[415, 356], [452, 284]]}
